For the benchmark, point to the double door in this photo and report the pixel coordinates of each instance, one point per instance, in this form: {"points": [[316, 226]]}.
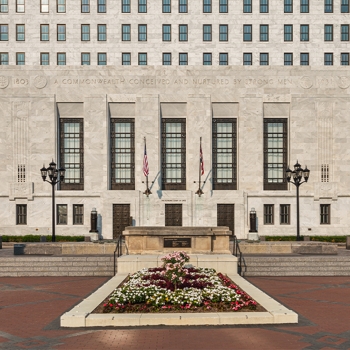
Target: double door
{"points": [[121, 219], [173, 214]]}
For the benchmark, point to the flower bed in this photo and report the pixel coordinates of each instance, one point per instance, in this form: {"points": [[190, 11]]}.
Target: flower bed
{"points": [[176, 287]]}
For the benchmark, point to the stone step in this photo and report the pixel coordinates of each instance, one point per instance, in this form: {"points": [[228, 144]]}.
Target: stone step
{"points": [[57, 266]]}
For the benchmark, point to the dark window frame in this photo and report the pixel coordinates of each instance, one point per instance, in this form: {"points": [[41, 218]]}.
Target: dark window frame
{"points": [[247, 59], [264, 34], [85, 35], [142, 35], [42, 9], [166, 36], [181, 185], [4, 8], [207, 6], [142, 62], [223, 32], [102, 32], [247, 6], [223, 59], [185, 33], [21, 214], [247, 32], [101, 6], [100, 60], [126, 34], [4, 35], [61, 4], [78, 214], [59, 60], [288, 36], [74, 185], [124, 56], [275, 183], [328, 32], [328, 6], [181, 56], [284, 214], [4, 58], [288, 60], [63, 34], [19, 33], [304, 6], [85, 6], [269, 214], [166, 6], [126, 6], [18, 61], [43, 34], [344, 32], [328, 58], [223, 6], [344, 58], [207, 32], [61, 216], [264, 59], [41, 58], [19, 4], [183, 6], [207, 59], [344, 7], [304, 58], [304, 32], [288, 6], [166, 59], [84, 61], [142, 6], [264, 6], [224, 185], [129, 182], [325, 214]]}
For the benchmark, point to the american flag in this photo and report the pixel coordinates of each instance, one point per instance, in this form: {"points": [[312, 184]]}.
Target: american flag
{"points": [[145, 163], [201, 159]]}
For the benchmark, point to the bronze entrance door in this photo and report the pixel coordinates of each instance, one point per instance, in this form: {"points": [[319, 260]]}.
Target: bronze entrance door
{"points": [[121, 218], [226, 216], [173, 214]]}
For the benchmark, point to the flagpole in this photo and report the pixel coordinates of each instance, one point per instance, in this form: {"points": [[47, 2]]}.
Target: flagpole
{"points": [[199, 191], [148, 191]]}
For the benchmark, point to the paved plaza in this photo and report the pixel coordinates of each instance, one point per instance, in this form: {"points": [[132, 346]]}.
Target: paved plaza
{"points": [[30, 308]]}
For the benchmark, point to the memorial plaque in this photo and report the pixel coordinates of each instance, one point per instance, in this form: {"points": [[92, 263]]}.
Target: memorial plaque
{"points": [[177, 242]]}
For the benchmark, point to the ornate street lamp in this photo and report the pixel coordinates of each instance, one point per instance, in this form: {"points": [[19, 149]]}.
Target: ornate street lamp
{"points": [[55, 176], [297, 174]]}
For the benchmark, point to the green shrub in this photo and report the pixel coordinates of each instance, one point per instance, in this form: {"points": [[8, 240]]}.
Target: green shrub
{"points": [[36, 238]]}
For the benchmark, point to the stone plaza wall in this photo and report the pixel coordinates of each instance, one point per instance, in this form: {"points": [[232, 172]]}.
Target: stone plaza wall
{"points": [[314, 100]]}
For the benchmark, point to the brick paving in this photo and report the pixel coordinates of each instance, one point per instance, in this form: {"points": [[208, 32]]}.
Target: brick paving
{"points": [[30, 308]]}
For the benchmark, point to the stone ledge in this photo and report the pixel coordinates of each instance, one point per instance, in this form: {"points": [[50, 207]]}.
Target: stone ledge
{"points": [[319, 248]]}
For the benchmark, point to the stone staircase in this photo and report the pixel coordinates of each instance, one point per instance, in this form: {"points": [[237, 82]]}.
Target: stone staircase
{"points": [[296, 265], [17, 266]]}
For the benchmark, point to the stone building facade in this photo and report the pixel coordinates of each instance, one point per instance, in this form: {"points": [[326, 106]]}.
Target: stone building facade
{"points": [[259, 96]]}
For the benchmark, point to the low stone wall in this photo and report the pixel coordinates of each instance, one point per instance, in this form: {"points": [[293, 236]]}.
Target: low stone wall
{"points": [[193, 240], [67, 248], [321, 248]]}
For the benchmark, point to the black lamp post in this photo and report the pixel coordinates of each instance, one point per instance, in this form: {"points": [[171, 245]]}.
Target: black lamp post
{"points": [[297, 174], [54, 175]]}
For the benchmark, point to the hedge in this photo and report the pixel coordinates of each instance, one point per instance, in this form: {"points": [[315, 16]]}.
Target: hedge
{"points": [[331, 239], [36, 238]]}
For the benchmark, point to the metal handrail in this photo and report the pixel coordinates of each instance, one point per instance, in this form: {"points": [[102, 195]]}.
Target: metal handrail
{"points": [[118, 250], [237, 252]]}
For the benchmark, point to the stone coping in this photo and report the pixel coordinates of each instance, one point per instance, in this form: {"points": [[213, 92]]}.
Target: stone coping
{"points": [[82, 316], [176, 231], [288, 247]]}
